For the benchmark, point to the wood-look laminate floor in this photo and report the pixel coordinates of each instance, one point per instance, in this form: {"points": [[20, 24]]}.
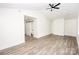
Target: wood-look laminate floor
{"points": [[50, 45]]}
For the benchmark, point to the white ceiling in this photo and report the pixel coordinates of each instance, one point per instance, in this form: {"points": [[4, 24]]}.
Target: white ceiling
{"points": [[27, 6], [66, 9]]}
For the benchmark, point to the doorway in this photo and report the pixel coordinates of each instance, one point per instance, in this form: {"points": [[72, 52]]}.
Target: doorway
{"points": [[29, 28]]}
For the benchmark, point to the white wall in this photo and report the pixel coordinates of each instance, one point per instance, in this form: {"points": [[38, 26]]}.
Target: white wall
{"points": [[70, 27], [78, 30], [64, 26], [11, 28], [78, 24], [44, 27], [58, 26]]}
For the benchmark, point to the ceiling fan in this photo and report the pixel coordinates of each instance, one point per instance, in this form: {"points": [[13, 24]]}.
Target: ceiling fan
{"points": [[53, 6]]}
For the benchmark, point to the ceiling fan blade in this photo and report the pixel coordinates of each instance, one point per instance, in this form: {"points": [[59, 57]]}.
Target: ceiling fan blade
{"points": [[57, 5], [51, 5], [56, 8]]}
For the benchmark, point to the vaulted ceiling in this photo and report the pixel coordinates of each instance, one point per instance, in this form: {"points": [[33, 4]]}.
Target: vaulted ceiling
{"points": [[66, 9]]}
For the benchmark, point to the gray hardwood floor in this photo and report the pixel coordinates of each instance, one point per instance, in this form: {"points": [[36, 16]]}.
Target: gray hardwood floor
{"points": [[48, 45]]}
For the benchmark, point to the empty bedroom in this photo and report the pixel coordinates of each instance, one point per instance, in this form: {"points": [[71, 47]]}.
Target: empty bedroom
{"points": [[39, 29]]}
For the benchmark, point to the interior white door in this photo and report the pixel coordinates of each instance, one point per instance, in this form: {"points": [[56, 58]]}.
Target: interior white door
{"points": [[28, 29]]}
